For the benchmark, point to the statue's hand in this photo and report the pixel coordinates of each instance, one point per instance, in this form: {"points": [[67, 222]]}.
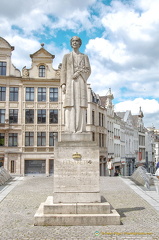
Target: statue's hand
{"points": [[75, 75], [64, 88]]}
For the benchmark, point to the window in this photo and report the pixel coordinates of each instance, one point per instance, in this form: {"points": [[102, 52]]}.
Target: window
{"points": [[2, 138], [29, 116], [93, 136], [93, 120], [41, 139], [29, 139], [13, 116], [3, 68], [93, 97], [54, 116], [41, 94], [13, 96], [51, 138], [13, 139], [12, 166], [102, 120], [42, 71], [86, 116], [53, 94], [99, 119], [29, 94], [101, 140], [41, 116], [2, 115], [2, 93]]}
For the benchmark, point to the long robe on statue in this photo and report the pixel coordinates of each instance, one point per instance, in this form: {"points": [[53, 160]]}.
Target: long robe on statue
{"points": [[75, 102]]}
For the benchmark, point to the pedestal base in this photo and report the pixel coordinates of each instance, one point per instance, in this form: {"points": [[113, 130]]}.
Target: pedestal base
{"points": [[76, 197], [76, 169], [75, 214]]}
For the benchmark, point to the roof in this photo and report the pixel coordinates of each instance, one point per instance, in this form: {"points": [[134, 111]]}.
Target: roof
{"points": [[42, 51], [5, 44], [103, 100], [120, 114]]}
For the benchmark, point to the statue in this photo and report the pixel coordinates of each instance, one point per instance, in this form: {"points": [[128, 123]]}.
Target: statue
{"points": [[74, 74]]}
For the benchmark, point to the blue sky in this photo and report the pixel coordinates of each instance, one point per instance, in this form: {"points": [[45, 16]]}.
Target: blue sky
{"points": [[120, 37]]}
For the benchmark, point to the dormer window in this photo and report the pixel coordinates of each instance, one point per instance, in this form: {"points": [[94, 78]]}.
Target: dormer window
{"points": [[42, 71], [3, 66]]}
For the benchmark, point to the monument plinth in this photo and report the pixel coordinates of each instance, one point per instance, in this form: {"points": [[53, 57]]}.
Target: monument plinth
{"points": [[76, 177], [76, 198]]}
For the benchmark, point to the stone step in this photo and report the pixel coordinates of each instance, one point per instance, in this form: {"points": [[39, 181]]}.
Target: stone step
{"points": [[75, 208], [41, 219]]}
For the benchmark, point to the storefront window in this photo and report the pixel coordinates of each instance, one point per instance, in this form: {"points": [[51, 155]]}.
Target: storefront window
{"points": [[35, 166]]}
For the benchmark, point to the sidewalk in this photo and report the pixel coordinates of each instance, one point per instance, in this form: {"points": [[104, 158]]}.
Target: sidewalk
{"points": [[139, 218], [151, 196], [8, 186]]}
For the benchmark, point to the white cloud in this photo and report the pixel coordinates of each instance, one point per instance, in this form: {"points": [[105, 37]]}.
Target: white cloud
{"points": [[11, 9], [5, 27], [24, 47], [132, 20], [147, 105], [77, 20], [35, 15], [113, 52], [127, 54], [59, 53], [20, 56], [123, 52], [36, 20], [150, 108]]}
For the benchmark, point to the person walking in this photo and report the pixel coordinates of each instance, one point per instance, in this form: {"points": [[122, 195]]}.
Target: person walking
{"points": [[157, 165], [109, 166]]}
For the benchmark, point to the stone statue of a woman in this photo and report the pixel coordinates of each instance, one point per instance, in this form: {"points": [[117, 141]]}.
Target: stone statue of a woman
{"points": [[74, 74]]}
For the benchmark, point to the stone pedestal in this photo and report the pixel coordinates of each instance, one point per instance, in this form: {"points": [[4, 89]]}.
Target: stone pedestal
{"points": [[76, 198], [76, 177], [75, 214]]}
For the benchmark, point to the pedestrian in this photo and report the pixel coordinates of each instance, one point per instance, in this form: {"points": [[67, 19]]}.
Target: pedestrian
{"points": [[157, 165], [109, 166], [157, 173], [116, 173]]}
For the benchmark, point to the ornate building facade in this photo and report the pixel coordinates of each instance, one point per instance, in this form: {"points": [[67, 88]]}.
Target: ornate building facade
{"points": [[31, 114]]}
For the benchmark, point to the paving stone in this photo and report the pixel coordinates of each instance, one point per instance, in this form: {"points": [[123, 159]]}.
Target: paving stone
{"points": [[139, 219]]}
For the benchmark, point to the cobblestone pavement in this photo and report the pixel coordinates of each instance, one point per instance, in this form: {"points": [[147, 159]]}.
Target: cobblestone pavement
{"points": [[139, 219]]}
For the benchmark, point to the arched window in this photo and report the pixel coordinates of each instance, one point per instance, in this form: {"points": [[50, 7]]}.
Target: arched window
{"points": [[42, 71]]}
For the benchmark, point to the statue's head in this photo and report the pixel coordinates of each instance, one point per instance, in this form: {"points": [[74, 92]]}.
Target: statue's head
{"points": [[76, 38]]}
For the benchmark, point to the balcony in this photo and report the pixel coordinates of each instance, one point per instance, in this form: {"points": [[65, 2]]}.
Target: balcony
{"points": [[7, 126]]}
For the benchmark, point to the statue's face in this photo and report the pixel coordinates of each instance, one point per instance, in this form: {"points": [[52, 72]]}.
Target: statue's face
{"points": [[75, 43]]}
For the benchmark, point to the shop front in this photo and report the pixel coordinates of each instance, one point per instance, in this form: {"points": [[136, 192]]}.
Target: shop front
{"points": [[35, 166]]}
